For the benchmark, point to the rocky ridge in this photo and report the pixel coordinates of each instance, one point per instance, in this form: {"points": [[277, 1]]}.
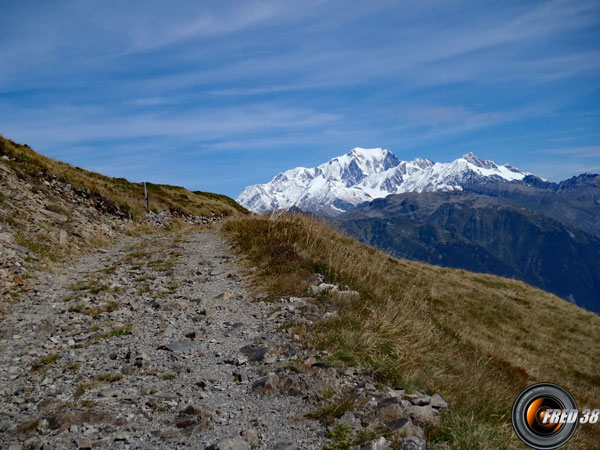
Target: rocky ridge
{"points": [[157, 342]]}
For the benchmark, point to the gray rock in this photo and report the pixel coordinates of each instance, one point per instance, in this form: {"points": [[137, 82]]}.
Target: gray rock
{"points": [[251, 436], [186, 422], [377, 444], [405, 428], [438, 402], [413, 443], [285, 446], [122, 437], [83, 444], [397, 424], [350, 420], [178, 346], [230, 444], [266, 385], [425, 414], [419, 399], [6, 237], [323, 287], [298, 303], [390, 411], [22, 250], [255, 353], [34, 444]]}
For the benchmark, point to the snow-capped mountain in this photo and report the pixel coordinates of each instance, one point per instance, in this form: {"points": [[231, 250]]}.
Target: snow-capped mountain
{"points": [[363, 175]]}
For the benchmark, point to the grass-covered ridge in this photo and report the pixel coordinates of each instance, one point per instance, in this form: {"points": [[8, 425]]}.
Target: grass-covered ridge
{"points": [[476, 339], [54, 211], [127, 195]]}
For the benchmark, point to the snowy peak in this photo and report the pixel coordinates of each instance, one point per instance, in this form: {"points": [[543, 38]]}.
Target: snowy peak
{"points": [[358, 164], [422, 163], [364, 174], [373, 160], [472, 158]]}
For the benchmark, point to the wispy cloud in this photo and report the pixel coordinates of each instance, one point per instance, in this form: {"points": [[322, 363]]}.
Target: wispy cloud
{"points": [[70, 125], [279, 77], [592, 151], [202, 24], [265, 89]]}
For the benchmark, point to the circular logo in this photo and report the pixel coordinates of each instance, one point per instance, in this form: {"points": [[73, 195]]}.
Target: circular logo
{"points": [[544, 416]]}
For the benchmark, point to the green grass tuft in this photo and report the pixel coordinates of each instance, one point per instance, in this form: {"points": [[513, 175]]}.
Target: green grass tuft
{"points": [[335, 409], [46, 361]]}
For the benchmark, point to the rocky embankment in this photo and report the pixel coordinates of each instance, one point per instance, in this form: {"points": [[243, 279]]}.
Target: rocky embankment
{"points": [[157, 342], [46, 218]]}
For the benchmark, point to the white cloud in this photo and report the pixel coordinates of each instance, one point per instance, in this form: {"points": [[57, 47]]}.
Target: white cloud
{"points": [[591, 151]]}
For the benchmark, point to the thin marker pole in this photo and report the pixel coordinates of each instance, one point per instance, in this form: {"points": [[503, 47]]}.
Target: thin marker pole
{"points": [[146, 195]]}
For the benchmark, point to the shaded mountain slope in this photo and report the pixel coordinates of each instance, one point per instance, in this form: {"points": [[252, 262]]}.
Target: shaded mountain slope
{"points": [[574, 202], [487, 234]]}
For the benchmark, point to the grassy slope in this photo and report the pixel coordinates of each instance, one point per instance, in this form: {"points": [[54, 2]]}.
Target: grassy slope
{"points": [[39, 233], [126, 194], [477, 339]]}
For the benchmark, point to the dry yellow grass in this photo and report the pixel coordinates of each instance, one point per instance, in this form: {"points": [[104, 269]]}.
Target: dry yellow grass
{"points": [[124, 193], [477, 339]]}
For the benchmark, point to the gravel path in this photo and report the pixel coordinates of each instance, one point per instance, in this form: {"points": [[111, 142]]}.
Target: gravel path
{"points": [[153, 343]]}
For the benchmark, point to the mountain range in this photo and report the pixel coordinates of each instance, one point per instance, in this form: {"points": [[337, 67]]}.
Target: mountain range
{"points": [[363, 175], [471, 214]]}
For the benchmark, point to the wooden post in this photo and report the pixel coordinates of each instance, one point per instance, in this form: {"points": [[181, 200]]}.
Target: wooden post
{"points": [[146, 195]]}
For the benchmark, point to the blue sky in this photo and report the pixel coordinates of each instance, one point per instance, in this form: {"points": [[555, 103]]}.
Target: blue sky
{"points": [[217, 95]]}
